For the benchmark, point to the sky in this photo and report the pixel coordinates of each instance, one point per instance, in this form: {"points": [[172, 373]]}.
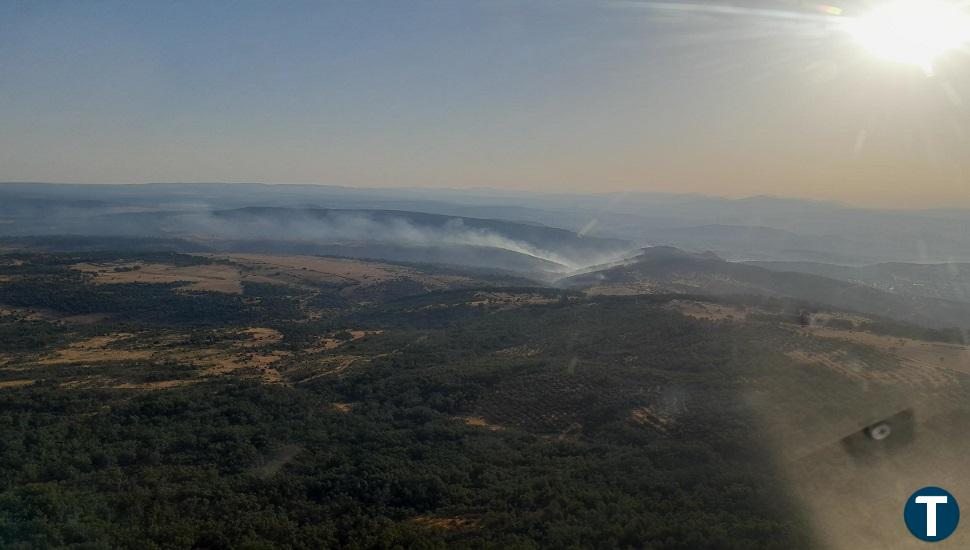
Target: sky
{"points": [[559, 95]]}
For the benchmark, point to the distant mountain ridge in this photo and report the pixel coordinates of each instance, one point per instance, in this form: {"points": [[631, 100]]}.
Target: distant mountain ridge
{"points": [[749, 229]]}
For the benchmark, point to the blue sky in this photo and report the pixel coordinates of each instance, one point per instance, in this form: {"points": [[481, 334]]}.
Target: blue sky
{"points": [[553, 95]]}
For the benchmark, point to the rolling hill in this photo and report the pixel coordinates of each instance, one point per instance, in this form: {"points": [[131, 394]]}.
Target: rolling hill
{"points": [[949, 281], [377, 234], [667, 269]]}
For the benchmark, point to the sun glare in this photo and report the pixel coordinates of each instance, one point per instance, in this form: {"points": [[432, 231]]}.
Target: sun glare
{"points": [[913, 31]]}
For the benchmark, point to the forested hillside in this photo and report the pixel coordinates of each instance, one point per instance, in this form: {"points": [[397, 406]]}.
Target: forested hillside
{"points": [[159, 400]]}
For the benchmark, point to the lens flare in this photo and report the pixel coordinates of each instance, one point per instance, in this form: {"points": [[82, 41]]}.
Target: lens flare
{"points": [[913, 31]]}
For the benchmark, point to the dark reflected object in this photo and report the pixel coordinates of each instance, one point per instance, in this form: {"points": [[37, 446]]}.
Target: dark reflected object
{"points": [[880, 431], [882, 437]]}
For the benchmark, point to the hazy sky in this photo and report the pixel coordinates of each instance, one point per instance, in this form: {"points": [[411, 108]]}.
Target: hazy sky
{"points": [[557, 95]]}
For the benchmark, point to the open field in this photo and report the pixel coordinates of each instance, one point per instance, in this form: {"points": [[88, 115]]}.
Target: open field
{"points": [[483, 298], [212, 278], [480, 422], [908, 374], [95, 350], [259, 336], [920, 353], [162, 385], [447, 523], [710, 311], [312, 268], [623, 289], [315, 270], [652, 417], [342, 407], [332, 341], [230, 271], [254, 356]]}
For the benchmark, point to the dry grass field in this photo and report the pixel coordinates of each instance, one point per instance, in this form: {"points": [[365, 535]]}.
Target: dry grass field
{"points": [[316, 270], [480, 422], [95, 350], [510, 299], [234, 269], [932, 355], [447, 523], [648, 416], [710, 311], [213, 278], [252, 352], [331, 342], [623, 289]]}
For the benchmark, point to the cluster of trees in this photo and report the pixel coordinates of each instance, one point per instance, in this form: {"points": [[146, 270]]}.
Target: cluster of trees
{"points": [[234, 464]]}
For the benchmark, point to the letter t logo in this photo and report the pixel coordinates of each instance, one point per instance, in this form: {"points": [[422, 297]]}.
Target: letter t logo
{"points": [[931, 502]]}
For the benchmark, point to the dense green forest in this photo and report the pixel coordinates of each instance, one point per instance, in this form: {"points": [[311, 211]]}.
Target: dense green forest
{"points": [[456, 422]]}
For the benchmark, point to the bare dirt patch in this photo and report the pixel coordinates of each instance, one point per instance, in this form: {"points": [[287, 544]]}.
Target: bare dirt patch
{"points": [[480, 422], [271, 376], [331, 342], [87, 382], [623, 289], [258, 337], [710, 311], [99, 342], [95, 350], [820, 319], [222, 358], [342, 407], [15, 383], [453, 523], [100, 381], [331, 366], [647, 416], [485, 298], [86, 319], [161, 385], [218, 362]]}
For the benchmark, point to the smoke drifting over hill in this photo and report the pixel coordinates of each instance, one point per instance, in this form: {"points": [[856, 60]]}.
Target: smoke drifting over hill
{"points": [[368, 233], [362, 227]]}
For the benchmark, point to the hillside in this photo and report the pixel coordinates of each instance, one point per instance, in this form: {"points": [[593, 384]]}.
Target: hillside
{"points": [[259, 400], [666, 269], [948, 281], [377, 234]]}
